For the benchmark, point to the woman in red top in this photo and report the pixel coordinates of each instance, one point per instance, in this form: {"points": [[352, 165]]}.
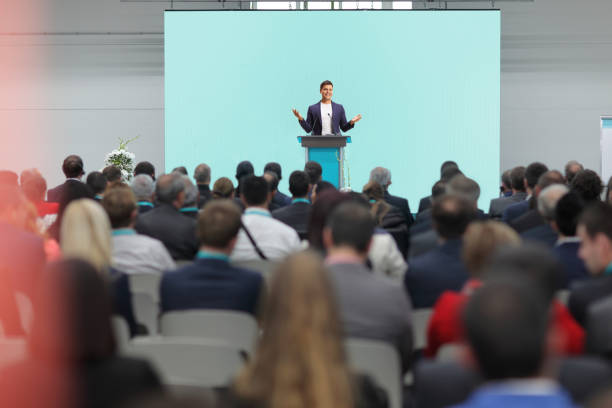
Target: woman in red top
{"points": [[481, 240]]}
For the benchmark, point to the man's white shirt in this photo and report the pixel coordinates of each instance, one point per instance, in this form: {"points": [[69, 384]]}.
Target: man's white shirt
{"points": [[326, 118], [136, 253], [275, 239]]}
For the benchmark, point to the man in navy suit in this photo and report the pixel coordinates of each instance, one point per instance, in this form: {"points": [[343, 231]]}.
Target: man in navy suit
{"points": [[296, 214], [326, 117], [532, 175], [73, 170], [382, 176], [211, 282]]}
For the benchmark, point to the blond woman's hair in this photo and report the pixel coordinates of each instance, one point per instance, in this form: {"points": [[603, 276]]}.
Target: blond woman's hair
{"points": [[376, 194], [482, 239], [300, 360], [86, 233]]}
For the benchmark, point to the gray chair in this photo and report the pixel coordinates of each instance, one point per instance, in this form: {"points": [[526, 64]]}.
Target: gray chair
{"points": [[381, 362], [450, 352], [265, 267], [146, 311], [237, 329], [420, 320], [145, 283], [121, 331]]}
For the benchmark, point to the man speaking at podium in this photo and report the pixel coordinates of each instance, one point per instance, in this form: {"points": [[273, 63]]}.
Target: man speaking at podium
{"points": [[326, 117]]}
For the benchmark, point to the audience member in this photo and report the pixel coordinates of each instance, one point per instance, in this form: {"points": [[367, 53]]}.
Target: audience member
{"points": [[571, 169], [505, 189], [113, 175], [595, 233], [9, 178], [243, 170], [547, 202], [166, 223], [445, 174], [498, 205], [145, 167], [73, 170], [318, 188], [223, 189], [279, 199], [261, 236], [314, 171], [370, 306], [71, 191], [441, 269], [423, 220], [300, 358], [181, 169], [320, 211], [532, 175], [97, 182], [201, 175], [296, 215], [567, 211], [587, 185], [34, 188], [133, 252], [211, 282], [382, 176], [190, 204], [272, 180], [508, 329], [143, 187], [385, 215], [86, 234], [480, 241]]}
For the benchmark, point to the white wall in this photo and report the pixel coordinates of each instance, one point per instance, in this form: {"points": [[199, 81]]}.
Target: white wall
{"points": [[87, 90]]}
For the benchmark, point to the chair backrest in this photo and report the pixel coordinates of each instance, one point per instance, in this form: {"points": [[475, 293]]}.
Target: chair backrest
{"points": [[563, 296], [145, 283], [450, 352], [265, 267], [121, 331], [26, 310], [189, 361], [420, 320], [146, 311], [381, 362], [12, 350], [237, 329]]}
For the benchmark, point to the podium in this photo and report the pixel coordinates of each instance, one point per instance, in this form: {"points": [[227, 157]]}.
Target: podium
{"points": [[328, 151]]}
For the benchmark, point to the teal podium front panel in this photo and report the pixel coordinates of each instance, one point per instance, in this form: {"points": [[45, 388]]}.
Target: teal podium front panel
{"points": [[327, 157]]}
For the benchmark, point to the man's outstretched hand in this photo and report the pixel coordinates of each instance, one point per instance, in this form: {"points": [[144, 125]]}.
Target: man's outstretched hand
{"points": [[355, 119], [297, 114]]}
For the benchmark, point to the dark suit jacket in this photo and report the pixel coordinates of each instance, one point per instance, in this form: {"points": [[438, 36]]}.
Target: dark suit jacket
{"points": [[585, 293], [205, 194], [543, 234], [515, 210], [144, 208], [573, 267], [422, 242], [281, 200], [425, 203], [434, 272], [313, 123], [210, 284], [527, 221], [498, 205], [122, 299], [402, 205], [54, 195], [167, 224], [295, 216]]}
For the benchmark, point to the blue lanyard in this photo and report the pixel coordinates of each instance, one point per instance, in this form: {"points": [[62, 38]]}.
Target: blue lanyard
{"points": [[145, 203], [300, 200], [212, 255], [608, 270], [123, 231], [249, 211], [189, 209]]}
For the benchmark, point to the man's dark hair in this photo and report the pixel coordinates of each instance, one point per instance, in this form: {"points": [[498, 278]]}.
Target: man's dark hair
{"points": [[587, 185], [506, 180], [73, 166], [549, 178], [597, 218], [218, 223], [145, 167], [168, 187], [533, 173], [119, 203], [506, 324], [97, 182], [314, 171], [326, 82], [298, 183], [451, 215], [447, 165], [449, 172], [325, 186], [112, 173], [254, 190], [567, 211], [274, 167], [180, 169], [352, 224], [201, 173], [244, 169], [516, 178], [438, 189]]}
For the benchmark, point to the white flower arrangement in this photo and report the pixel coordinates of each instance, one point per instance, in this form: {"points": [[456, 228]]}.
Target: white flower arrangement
{"points": [[122, 159]]}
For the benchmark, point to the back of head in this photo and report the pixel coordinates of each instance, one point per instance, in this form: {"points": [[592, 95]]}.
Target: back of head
{"points": [[506, 179], [169, 186], [314, 171], [298, 184], [272, 180], [143, 187], [449, 172], [218, 223], [97, 182], [506, 324], [34, 188], [587, 185], [548, 198], [300, 357], [8, 178], [86, 233], [112, 174], [447, 165], [567, 211], [374, 191], [191, 193], [275, 168], [120, 205], [481, 240], [16, 210], [438, 189], [351, 225], [381, 176], [28, 174], [549, 178], [464, 187], [145, 167], [516, 178], [223, 188], [201, 174], [73, 166], [533, 173], [254, 190], [244, 169], [326, 202], [571, 169], [451, 215], [597, 219], [180, 169]]}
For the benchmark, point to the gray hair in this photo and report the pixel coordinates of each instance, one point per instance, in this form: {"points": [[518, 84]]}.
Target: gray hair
{"points": [[143, 187], [464, 187], [169, 186], [191, 193], [381, 175], [548, 199], [201, 174]]}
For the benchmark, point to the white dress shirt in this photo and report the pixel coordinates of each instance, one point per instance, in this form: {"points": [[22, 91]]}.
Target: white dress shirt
{"points": [[326, 118], [136, 253]]}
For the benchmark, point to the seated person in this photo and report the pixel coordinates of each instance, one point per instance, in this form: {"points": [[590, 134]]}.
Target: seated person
{"points": [[296, 214]]}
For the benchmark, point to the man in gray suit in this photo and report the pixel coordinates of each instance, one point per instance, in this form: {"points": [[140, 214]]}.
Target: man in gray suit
{"points": [[498, 205], [371, 306]]}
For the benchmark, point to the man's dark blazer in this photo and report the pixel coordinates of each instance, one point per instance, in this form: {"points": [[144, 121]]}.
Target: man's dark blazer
{"points": [[295, 216], [424, 221], [515, 211], [122, 299], [573, 267], [281, 200], [543, 234], [402, 205], [210, 284], [527, 221], [498, 205], [205, 194], [422, 242], [585, 293], [434, 272], [167, 224], [313, 124], [54, 195], [425, 203], [144, 208]]}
